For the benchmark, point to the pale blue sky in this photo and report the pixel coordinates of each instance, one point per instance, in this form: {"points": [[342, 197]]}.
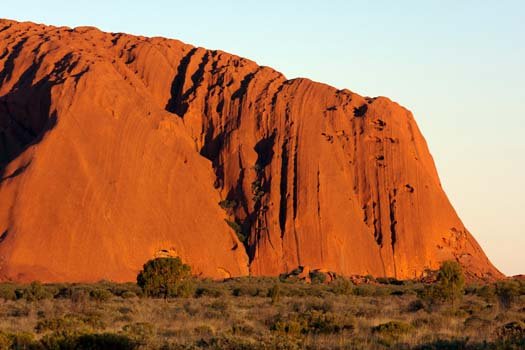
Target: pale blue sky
{"points": [[459, 66]]}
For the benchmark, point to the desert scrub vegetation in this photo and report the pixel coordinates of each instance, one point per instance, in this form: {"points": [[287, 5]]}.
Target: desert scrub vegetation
{"points": [[263, 313], [165, 277]]}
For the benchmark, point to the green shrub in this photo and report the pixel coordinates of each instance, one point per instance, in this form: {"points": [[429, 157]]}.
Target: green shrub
{"points": [[86, 341], [191, 309], [447, 344], [391, 332], [292, 325], [315, 322], [274, 293], [7, 291], [329, 323], [18, 310], [416, 305], [242, 328], [70, 323], [512, 332], [79, 295], [320, 305], [227, 341], [118, 289], [476, 322], [389, 280], [203, 331], [342, 286], [486, 292], [22, 340], [35, 291], [128, 295], [237, 228], [166, 277], [100, 294], [507, 293], [60, 324], [227, 204], [450, 284], [521, 282], [392, 327], [363, 290], [317, 277], [5, 340], [103, 341], [17, 341], [58, 341], [451, 279], [140, 332], [210, 291], [247, 290], [219, 305], [367, 290]]}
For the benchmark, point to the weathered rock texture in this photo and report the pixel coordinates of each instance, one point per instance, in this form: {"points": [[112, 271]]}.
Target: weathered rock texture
{"points": [[116, 148]]}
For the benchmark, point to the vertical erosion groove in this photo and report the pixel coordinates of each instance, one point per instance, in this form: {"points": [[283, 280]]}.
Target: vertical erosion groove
{"points": [[378, 235], [9, 64], [393, 221], [177, 103], [295, 189], [283, 187]]}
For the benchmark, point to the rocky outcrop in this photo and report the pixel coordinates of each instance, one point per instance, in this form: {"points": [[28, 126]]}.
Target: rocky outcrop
{"points": [[117, 148]]}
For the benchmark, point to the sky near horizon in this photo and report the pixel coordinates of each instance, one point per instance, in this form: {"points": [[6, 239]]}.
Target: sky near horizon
{"points": [[459, 66]]}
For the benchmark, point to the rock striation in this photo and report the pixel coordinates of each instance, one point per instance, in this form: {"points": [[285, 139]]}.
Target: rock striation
{"points": [[116, 148]]}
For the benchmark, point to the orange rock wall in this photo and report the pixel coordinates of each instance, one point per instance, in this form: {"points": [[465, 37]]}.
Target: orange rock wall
{"points": [[116, 148]]}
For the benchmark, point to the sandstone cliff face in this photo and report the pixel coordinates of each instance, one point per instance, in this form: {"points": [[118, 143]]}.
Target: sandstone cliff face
{"points": [[116, 148]]}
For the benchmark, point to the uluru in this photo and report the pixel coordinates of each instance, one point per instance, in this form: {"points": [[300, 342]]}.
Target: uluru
{"points": [[115, 149]]}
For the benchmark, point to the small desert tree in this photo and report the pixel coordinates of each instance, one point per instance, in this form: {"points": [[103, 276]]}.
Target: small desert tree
{"points": [[450, 282], [165, 277], [508, 292]]}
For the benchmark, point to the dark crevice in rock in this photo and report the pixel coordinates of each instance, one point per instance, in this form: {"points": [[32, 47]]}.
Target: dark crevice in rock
{"points": [[257, 219], [295, 185], [319, 198], [365, 213], [376, 212], [378, 222], [360, 111], [379, 124], [283, 186], [241, 91], [17, 172], [264, 149], [5, 28], [393, 221], [198, 76], [277, 92], [9, 64], [4, 53], [3, 236], [238, 191], [211, 150], [176, 103]]}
